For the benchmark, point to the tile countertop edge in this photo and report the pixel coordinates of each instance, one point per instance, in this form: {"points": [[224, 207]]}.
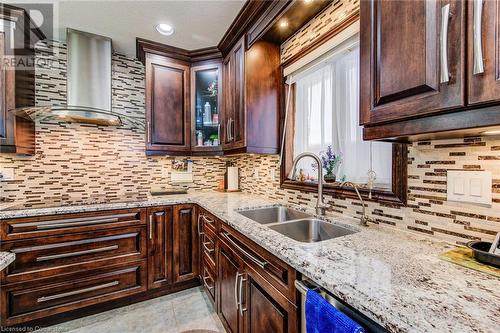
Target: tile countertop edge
{"points": [[6, 258], [404, 292]]}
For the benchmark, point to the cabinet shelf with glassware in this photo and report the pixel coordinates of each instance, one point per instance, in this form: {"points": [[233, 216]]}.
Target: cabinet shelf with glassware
{"points": [[205, 102]]}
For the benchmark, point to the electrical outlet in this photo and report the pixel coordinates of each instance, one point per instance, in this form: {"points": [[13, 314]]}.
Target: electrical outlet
{"points": [[256, 173], [272, 173], [7, 174]]}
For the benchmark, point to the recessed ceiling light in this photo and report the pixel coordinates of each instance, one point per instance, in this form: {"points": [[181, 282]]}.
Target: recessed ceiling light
{"points": [[165, 29], [308, 1], [284, 24], [495, 132]]}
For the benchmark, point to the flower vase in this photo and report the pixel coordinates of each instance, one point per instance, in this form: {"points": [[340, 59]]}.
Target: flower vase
{"points": [[330, 178]]}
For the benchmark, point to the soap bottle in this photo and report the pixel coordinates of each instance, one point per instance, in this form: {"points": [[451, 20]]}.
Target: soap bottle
{"points": [[207, 114]]}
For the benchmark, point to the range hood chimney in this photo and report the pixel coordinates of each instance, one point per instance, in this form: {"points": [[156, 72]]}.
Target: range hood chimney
{"points": [[88, 80], [88, 83]]}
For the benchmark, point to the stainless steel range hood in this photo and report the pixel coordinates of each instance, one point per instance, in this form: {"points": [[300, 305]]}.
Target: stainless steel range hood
{"points": [[88, 83]]}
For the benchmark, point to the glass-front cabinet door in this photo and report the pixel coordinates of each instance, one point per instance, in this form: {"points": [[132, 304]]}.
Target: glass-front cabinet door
{"points": [[206, 101]]}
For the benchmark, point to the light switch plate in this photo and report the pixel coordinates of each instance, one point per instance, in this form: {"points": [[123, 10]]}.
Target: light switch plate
{"points": [[7, 174], [469, 186]]}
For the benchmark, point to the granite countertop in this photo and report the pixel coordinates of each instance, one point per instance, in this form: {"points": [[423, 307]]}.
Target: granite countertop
{"points": [[6, 258], [392, 276]]}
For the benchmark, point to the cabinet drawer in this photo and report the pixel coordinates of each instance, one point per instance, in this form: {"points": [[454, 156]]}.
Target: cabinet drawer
{"points": [[41, 257], [30, 301], [208, 247], [275, 271], [12, 229], [208, 280]]}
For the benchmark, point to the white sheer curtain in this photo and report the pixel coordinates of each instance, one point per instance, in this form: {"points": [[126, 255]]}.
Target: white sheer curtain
{"points": [[327, 111]]}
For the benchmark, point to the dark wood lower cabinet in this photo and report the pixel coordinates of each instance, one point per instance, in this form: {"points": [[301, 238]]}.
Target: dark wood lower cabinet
{"points": [[159, 247], [185, 241], [230, 268], [248, 301], [72, 265], [266, 309], [37, 299]]}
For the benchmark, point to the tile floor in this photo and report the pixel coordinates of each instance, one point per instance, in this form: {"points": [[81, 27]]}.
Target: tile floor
{"points": [[185, 311]]}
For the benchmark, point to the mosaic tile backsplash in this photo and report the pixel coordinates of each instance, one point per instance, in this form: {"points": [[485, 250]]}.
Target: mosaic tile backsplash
{"points": [[80, 161], [428, 212]]}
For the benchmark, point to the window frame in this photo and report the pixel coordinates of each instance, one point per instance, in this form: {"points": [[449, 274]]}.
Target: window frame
{"points": [[396, 196]]}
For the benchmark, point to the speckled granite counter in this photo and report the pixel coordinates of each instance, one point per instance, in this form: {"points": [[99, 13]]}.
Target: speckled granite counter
{"points": [[393, 277], [6, 258]]}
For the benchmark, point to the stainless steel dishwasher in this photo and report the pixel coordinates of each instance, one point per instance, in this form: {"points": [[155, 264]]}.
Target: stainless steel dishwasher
{"points": [[369, 325]]}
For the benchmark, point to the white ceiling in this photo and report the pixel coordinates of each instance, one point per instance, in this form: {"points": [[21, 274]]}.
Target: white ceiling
{"points": [[197, 24]]}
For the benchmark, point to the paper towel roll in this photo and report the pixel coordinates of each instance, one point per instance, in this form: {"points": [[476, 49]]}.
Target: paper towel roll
{"points": [[232, 179]]}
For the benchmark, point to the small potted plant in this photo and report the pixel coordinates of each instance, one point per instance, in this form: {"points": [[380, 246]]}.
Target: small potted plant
{"points": [[330, 161]]}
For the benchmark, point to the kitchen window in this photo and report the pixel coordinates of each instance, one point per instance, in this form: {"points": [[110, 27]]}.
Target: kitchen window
{"points": [[323, 112], [327, 114]]}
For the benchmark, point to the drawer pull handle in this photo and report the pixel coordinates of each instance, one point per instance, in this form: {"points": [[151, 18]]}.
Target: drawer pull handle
{"points": [[207, 220], [260, 263], [76, 292], [205, 278], [78, 253], [74, 224], [207, 248]]}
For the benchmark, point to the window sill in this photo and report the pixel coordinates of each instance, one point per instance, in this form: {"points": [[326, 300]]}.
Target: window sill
{"points": [[381, 195]]}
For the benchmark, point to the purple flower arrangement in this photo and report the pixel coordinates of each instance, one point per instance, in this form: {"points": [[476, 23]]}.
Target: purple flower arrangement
{"points": [[330, 161]]}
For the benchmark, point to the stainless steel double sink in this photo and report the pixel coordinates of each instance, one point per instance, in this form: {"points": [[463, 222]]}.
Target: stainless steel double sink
{"points": [[297, 225]]}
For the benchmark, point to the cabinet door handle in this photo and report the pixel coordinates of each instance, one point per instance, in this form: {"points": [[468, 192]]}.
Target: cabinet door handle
{"points": [[199, 228], [478, 38], [218, 134], [227, 130], [148, 129], [240, 295], [77, 253], [445, 17], [232, 129], [236, 300], [151, 226], [260, 263], [76, 292]]}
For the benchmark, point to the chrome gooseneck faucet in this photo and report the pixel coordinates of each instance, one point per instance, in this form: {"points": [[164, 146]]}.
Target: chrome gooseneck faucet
{"points": [[363, 220], [320, 205]]}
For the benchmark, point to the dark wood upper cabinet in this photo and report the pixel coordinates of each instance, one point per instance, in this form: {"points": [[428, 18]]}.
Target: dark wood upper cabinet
{"points": [[167, 105], [412, 58], [429, 69], [17, 85], [483, 56], [234, 97], [159, 234], [206, 100], [185, 244], [252, 98]]}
